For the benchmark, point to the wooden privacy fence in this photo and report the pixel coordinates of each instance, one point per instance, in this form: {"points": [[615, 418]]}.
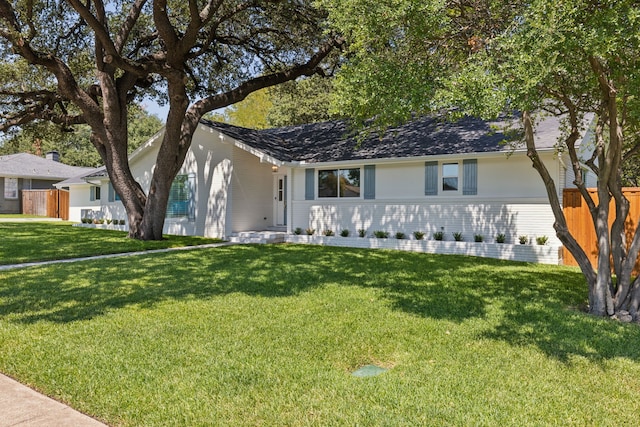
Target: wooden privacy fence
{"points": [[50, 203], [581, 225]]}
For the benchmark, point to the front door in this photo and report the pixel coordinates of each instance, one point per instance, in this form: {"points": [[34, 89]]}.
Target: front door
{"points": [[280, 199]]}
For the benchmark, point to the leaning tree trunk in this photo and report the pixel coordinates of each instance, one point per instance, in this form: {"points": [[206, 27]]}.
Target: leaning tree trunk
{"points": [[179, 129], [560, 224]]}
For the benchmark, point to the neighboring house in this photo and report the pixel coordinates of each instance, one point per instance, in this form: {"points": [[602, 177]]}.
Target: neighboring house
{"points": [[428, 175], [25, 171]]}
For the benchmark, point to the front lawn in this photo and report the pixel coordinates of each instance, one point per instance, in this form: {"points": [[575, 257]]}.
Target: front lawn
{"points": [[269, 335], [42, 241]]}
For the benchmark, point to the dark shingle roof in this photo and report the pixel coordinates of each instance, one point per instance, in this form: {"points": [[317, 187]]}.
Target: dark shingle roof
{"points": [[259, 139], [427, 136], [335, 141]]}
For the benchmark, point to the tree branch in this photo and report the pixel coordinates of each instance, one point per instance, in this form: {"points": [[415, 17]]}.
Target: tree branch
{"points": [[242, 91], [128, 24]]}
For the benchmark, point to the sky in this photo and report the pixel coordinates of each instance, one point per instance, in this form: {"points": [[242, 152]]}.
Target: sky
{"points": [[152, 107]]}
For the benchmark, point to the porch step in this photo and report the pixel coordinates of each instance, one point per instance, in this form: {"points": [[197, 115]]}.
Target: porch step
{"points": [[257, 237]]}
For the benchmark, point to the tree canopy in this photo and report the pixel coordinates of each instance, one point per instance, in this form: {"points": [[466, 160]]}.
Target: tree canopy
{"points": [[305, 100], [572, 59], [73, 144], [72, 62]]}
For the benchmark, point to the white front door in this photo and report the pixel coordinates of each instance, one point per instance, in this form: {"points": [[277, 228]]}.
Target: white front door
{"points": [[280, 199]]}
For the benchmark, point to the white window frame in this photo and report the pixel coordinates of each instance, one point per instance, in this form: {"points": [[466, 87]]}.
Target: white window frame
{"points": [[444, 177], [339, 172], [188, 210], [96, 193], [11, 188]]}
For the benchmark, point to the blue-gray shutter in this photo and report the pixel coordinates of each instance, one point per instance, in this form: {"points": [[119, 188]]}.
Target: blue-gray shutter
{"points": [[285, 200], [431, 178], [92, 193], [112, 193], [470, 177], [369, 182], [309, 184], [192, 196]]}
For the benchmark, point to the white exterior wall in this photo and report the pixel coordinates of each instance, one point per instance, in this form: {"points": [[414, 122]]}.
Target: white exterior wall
{"points": [[80, 201], [211, 162], [252, 193], [511, 200], [489, 218], [233, 189]]}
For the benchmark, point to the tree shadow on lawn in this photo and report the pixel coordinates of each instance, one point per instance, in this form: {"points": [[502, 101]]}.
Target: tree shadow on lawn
{"points": [[532, 299]]}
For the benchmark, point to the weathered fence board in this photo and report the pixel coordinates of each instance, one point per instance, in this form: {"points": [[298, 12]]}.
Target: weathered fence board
{"points": [[49, 203]]}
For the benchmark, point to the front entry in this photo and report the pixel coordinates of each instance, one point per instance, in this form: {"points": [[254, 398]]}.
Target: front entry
{"points": [[280, 199]]}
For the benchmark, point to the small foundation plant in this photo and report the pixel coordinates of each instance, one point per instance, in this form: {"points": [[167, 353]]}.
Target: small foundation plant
{"points": [[419, 235]]}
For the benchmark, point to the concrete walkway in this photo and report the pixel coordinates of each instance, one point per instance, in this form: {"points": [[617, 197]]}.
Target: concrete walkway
{"points": [[124, 254], [22, 406]]}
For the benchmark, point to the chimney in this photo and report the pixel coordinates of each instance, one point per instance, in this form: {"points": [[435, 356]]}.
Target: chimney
{"points": [[53, 155]]}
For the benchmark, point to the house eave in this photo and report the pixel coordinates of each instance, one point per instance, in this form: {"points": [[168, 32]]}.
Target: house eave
{"points": [[405, 160], [26, 176], [149, 143]]}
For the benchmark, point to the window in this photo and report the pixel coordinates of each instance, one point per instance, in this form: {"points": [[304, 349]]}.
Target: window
{"points": [[95, 193], [113, 196], [181, 197], [11, 188], [449, 177], [339, 183]]}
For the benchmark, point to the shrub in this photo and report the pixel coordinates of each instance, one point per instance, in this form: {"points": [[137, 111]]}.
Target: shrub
{"points": [[400, 235], [478, 238], [381, 234], [310, 231], [500, 238], [297, 231], [438, 235], [523, 240], [542, 240], [419, 235], [344, 233], [108, 221], [328, 233], [122, 222], [362, 232], [457, 236]]}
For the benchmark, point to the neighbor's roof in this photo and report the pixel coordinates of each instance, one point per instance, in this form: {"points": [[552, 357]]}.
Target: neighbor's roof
{"points": [[427, 136], [25, 165]]}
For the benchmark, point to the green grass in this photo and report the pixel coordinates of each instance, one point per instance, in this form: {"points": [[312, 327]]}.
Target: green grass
{"points": [[269, 335], [42, 241]]}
